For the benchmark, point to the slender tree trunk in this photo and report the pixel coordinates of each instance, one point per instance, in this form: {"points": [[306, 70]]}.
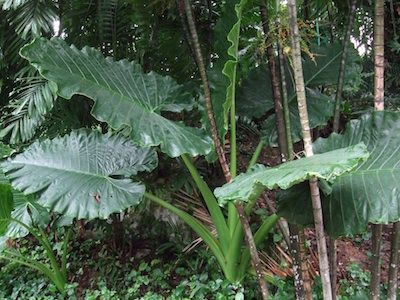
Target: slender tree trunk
{"points": [[207, 92], [181, 10], [394, 262], [302, 280], [291, 237], [375, 261], [300, 268], [393, 20], [221, 155], [302, 105], [379, 94], [332, 248], [304, 264], [332, 23], [336, 123], [276, 88], [255, 259], [379, 55], [285, 97], [306, 7], [342, 69]]}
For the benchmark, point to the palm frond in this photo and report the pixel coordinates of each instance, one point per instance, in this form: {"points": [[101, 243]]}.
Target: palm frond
{"points": [[12, 4], [33, 18], [106, 13], [31, 101]]}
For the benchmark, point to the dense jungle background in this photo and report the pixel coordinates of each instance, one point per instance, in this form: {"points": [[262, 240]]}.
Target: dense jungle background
{"points": [[199, 149]]}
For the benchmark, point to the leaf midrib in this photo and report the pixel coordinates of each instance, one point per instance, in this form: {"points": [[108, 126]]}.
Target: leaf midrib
{"points": [[63, 170]]}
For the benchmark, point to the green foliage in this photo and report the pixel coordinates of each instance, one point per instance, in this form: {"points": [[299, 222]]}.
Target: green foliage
{"points": [[77, 175], [30, 102], [188, 276], [4, 150], [23, 208], [33, 18], [137, 101], [327, 166], [6, 206], [368, 194], [356, 285], [319, 107], [227, 32], [255, 97]]}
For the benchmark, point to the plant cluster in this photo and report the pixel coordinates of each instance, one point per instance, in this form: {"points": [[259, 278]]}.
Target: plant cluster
{"points": [[100, 99]]}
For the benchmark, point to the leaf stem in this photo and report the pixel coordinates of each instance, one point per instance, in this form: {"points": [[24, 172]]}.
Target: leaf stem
{"points": [[198, 227], [211, 203]]}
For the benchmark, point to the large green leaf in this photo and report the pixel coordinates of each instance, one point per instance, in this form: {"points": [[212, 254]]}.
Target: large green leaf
{"points": [[23, 208], [123, 94], [82, 175], [323, 67], [227, 32], [369, 194], [254, 95], [326, 166], [6, 206]]}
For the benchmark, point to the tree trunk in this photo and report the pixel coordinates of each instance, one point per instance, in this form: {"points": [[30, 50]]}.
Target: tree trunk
{"points": [[332, 248], [375, 261], [255, 259], [394, 262], [285, 98], [207, 92], [379, 94], [181, 11], [304, 265], [336, 124], [342, 70], [331, 21], [302, 105], [379, 55], [276, 87]]}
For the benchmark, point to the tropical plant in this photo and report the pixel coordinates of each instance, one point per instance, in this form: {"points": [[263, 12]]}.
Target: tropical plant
{"points": [[89, 162], [112, 113]]}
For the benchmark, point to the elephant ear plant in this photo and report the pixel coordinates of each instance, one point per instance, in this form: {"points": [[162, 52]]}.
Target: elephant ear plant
{"points": [[87, 175], [83, 175]]}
